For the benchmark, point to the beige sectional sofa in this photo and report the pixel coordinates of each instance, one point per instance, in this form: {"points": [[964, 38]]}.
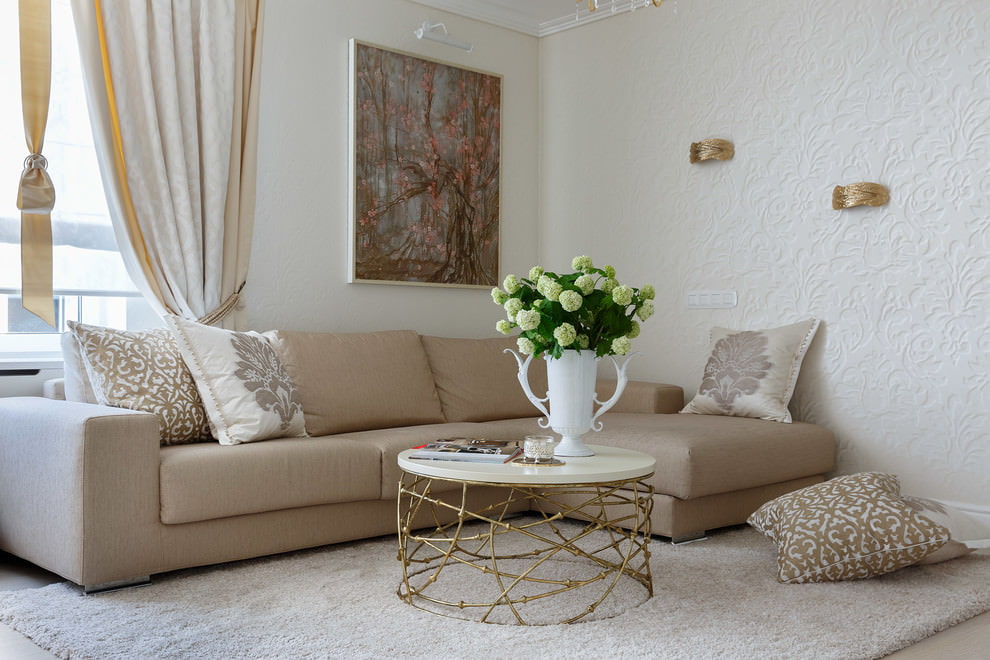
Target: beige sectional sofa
{"points": [[88, 492]]}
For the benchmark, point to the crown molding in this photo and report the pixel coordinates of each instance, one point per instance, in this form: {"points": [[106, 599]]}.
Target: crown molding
{"points": [[488, 13], [533, 22]]}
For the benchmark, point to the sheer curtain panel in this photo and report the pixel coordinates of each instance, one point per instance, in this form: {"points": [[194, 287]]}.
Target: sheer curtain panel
{"points": [[173, 89]]}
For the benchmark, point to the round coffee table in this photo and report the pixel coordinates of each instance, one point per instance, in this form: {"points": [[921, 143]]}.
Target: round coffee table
{"points": [[587, 528]]}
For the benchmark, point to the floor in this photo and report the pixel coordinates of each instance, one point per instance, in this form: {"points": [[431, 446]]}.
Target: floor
{"points": [[966, 641]]}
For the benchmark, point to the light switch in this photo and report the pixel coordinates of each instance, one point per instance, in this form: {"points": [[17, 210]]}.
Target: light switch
{"points": [[711, 299]]}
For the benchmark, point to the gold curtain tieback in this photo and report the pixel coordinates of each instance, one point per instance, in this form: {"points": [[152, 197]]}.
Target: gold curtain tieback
{"points": [[225, 308], [35, 193]]}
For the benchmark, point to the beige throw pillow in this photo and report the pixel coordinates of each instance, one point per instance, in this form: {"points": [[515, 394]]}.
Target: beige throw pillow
{"points": [[245, 389], [850, 527], [752, 373], [143, 370]]}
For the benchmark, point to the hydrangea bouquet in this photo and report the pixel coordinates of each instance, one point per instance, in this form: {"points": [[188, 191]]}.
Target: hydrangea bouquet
{"points": [[588, 309]]}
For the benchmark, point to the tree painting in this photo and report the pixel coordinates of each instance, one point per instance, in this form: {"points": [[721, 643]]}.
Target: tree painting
{"points": [[426, 170]]}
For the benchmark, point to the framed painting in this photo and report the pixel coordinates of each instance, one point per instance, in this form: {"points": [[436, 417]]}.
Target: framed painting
{"points": [[425, 170]]}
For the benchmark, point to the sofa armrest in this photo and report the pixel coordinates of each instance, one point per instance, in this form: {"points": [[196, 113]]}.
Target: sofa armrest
{"points": [[79, 488], [643, 397]]}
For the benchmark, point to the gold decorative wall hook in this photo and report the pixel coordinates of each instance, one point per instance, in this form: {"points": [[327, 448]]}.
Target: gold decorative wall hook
{"points": [[859, 194], [711, 149]]}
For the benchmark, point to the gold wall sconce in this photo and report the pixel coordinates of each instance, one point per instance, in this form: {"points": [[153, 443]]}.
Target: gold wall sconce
{"points": [[712, 149], [859, 194]]}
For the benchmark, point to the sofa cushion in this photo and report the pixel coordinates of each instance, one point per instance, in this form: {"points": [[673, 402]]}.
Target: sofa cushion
{"points": [[143, 370], [700, 455], [209, 481], [477, 381], [851, 527], [359, 381], [389, 442], [246, 391]]}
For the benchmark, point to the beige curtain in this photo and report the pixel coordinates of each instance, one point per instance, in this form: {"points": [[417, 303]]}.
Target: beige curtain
{"points": [[35, 193], [173, 89]]}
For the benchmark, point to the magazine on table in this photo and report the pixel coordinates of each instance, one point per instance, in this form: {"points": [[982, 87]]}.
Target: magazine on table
{"points": [[474, 450]]}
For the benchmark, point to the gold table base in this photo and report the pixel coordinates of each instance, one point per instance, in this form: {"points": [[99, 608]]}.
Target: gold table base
{"points": [[607, 532]]}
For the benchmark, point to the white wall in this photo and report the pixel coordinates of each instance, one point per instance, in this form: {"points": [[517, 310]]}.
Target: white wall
{"points": [[813, 95], [299, 264]]}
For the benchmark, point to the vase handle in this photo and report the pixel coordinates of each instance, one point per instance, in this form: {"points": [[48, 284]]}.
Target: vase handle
{"points": [[620, 386], [523, 376]]}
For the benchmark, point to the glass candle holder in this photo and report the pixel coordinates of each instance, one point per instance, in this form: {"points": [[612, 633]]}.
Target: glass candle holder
{"points": [[539, 448]]}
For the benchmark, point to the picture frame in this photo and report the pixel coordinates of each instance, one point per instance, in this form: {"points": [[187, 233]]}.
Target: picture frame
{"points": [[425, 170]]}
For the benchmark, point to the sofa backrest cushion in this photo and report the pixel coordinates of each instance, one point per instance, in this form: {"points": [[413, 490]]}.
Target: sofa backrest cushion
{"points": [[477, 381], [360, 381]]}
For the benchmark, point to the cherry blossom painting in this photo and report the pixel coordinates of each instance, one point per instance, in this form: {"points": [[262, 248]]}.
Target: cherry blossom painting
{"points": [[425, 170]]}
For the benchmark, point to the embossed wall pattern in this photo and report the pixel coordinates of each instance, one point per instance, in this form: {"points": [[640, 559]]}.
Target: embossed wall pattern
{"points": [[813, 95]]}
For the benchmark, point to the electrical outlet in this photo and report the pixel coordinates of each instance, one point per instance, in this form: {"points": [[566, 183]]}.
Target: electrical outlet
{"points": [[710, 299]]}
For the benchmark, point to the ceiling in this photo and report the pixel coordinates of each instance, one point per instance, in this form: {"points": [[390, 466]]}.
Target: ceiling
{"points": [[535, 17]]}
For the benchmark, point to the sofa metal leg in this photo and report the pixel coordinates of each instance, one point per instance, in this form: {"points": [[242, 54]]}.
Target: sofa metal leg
{"points": [[90, 589], [688, 538]]}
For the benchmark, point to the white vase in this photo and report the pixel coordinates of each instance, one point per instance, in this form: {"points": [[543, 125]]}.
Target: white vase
{"points": [[571, 397]]}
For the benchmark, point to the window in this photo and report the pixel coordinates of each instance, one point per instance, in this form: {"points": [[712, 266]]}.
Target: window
{"points": [[91, 284]]}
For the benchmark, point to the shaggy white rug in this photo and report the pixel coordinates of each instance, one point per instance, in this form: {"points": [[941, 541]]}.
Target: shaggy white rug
{"points": [[714, 599]]}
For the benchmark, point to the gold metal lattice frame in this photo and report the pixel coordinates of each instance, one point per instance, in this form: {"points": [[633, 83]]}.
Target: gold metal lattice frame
{"points": [[609, 527]]}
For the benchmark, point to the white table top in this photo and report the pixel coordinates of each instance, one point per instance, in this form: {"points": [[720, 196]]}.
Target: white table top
{"points": [[609, 464]]}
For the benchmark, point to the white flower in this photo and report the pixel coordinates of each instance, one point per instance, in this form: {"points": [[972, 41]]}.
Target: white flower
{"points": [[504, 327], [583, 341], [534, 273], [499, 296], [648, 292], [549, 287], [622, 295], [512, 307], [525, 346], [571, 301], [511, 284], [621, 345], [609, 283], [645, 310], [632, 334], [581, 263], [528, 319], [565, 334], [586, 283]]}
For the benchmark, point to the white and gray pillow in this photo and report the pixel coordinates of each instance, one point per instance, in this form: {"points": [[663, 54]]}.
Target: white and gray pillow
{"points": [[246, 391], [752, 373]]}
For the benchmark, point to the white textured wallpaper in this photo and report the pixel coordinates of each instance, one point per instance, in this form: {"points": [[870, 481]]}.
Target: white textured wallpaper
{"points": [[813, 95]]}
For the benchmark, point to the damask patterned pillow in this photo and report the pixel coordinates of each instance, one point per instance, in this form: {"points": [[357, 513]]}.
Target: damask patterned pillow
{"points": [[752, 373], [143, 370], [850, 527], [245, 389]]}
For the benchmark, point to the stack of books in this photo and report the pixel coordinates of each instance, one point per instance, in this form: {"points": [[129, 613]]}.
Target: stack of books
{"points": [[474, 450]]}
